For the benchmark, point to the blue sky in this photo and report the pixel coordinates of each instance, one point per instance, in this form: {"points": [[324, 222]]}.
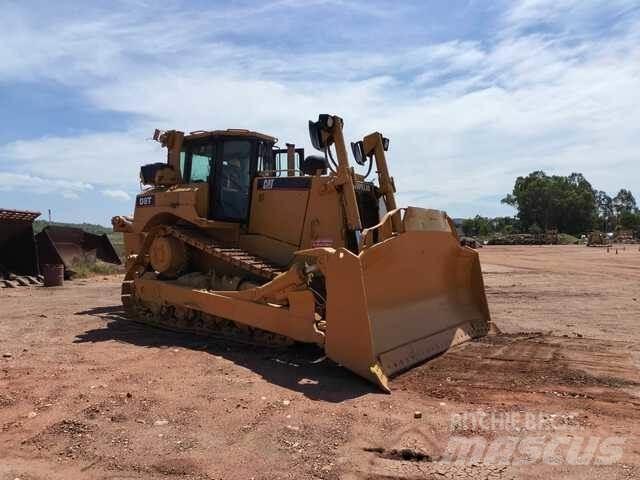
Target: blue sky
{"points": [[472, 93]]}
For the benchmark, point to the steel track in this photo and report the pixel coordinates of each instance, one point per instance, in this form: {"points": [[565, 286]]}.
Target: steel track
{"points": [[181, 319]]}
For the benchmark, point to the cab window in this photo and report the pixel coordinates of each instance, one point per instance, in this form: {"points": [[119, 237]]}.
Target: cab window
{"points": [[202, 159], [183, 159], [266, 164]]}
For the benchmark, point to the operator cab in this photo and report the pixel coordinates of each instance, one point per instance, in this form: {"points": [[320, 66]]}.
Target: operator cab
{"points": [[228, 161]]}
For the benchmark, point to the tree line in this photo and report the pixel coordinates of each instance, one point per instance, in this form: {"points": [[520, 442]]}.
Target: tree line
{"points": [[566, 203]]}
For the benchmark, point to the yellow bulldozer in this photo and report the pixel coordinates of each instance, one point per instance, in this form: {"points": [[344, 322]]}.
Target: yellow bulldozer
{"points": [[237, 238]]}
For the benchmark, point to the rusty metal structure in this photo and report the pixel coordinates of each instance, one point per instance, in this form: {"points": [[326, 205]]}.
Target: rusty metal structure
{"points": [[597, 238], [238, 238], [18, 253], [624, 236], [68, 246], [470, 242], [23, 255], [551, 237]]}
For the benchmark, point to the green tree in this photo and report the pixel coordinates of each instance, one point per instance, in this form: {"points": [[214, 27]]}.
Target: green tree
{"points": [[469, 227], [566, 203], [484, 226], [629, 220], [605, 219], [477, 226], [504, 225], [624, 202], [535, 229]]}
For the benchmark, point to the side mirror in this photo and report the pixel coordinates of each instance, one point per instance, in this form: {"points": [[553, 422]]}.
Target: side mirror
{"points": [[385, 143], [358, 152]]}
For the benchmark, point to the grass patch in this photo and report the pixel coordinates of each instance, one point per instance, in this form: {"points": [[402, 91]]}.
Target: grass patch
{"points": [[566, 239], [117, 240], [88, 268]]}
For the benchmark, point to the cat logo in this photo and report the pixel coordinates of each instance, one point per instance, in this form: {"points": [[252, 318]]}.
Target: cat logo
{"points": [[363, 187], [145, 201], [267, 183]]}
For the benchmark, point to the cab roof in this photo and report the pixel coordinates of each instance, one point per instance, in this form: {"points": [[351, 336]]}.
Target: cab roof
{"points": [[230, 132]]}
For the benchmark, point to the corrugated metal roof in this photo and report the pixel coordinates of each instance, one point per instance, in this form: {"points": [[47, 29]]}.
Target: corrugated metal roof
{"points": [[18, 215]]}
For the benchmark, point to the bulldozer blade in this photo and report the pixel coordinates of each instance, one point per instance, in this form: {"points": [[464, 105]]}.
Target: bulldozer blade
{"points": [[68, 245], [402, 301]]}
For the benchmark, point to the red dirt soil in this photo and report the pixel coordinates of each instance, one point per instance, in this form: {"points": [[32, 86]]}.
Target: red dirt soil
{"points": [[86, 394]]}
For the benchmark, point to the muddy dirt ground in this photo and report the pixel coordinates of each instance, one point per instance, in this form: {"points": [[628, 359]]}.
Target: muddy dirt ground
{"points": [[86, 394]]}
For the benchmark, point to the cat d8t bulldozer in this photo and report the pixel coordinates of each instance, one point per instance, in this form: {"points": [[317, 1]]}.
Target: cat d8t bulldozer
{"points": [[235, 237]]}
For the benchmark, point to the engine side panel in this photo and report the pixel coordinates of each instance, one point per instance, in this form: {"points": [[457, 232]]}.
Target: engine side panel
{"points": [[278, 207]]}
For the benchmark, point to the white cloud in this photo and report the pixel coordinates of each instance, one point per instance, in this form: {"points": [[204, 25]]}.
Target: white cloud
{"points": [[97, 158], [117, 194], [464, 116], [567, 13], [20, 183], [70, 195]]}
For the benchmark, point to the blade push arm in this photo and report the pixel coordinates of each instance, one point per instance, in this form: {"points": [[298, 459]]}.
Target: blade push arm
{"points": [[373, 144], [325, 132]]}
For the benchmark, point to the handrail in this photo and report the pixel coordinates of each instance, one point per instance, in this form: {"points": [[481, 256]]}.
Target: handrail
{"points": [[384, 229], [280, 170]]}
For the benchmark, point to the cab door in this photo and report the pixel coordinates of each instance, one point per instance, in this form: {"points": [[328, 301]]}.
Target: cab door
{"points": [[231, 184]]}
